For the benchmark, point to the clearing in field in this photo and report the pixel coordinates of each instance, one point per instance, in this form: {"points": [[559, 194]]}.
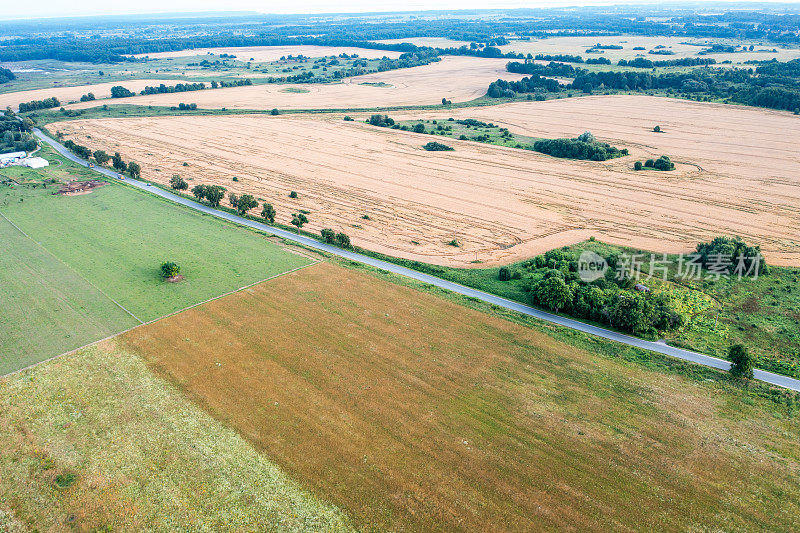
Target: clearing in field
{"points": [[737, 174], [94, 442], [458, 79], [412, 412], [66, 95]]}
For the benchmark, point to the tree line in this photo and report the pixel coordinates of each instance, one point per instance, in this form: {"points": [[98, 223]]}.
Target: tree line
{"points": [[33, 105], [774, 87], [118, 91], [102, 158]]}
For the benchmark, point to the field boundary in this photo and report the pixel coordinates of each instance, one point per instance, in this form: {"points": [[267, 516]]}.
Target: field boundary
{"points": [[43, 247], [98, 341]]}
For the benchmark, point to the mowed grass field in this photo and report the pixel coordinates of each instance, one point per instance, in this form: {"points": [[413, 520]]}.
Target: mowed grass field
{"points": [[89, 265], [117, 238], [412, 412], [47, 308], [94, 442]]}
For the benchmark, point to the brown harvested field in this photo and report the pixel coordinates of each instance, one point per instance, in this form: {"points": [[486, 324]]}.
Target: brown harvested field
{"points": [[273, 53], [737, 174], [458, 79], [73, 94], [579, 45], [414, 413]]}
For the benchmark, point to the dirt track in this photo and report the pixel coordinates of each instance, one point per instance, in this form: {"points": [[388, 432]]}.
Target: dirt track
{"points": [[737, 174], [456, 78]]}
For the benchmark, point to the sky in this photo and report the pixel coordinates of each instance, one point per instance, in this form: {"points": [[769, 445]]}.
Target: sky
{"points": [[57, 8]]}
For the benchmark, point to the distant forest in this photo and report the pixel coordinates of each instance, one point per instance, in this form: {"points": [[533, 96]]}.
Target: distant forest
{"points": [[85, 41], [770, 84]]}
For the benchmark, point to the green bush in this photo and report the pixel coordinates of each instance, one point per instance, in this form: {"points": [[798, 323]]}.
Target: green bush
{"points": [[170, 269], [434, 146]]}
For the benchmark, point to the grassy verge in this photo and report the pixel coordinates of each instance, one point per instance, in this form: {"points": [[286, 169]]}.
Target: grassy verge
{"points": [[94, 442]]}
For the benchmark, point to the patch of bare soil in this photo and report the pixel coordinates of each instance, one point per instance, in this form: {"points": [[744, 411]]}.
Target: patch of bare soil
{"points": [[74, 188]]}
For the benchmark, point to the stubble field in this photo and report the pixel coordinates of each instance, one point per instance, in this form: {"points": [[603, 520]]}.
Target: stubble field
{"points": [[413, 413], [458, 79], [66, 95], [736, 174]]}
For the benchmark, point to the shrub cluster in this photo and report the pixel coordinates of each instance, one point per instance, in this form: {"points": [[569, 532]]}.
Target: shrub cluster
{"points": [[434, 146], [663, 163], [553, 282], [732, 248], [582, 147], [338, 239]]}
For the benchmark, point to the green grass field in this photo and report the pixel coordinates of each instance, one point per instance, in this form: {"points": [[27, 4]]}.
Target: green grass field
{"points": [[94, 442], [47, 308], [86, 252]]}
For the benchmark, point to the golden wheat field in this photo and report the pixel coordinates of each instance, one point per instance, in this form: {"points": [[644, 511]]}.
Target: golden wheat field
{"points": [[458, 79], [737, 173], [73, 94]]}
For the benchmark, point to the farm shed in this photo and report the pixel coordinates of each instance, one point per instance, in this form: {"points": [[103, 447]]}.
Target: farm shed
{"points": [[35, 162]]}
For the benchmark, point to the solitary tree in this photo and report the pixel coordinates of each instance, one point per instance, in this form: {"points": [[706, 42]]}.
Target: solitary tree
{"points": [[657, 129], [214, 194], [342, 240], [328, 235], [292, 194], [199, 191], [268, 212], [637, 165], [742, 361], [178, 183], [298, 219], [101, 157], [246, 203], [170, 269], [118, 163], [134, 169]]}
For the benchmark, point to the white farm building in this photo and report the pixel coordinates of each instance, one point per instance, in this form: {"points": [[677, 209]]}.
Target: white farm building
{"points": [[35, 162], [11, 157]]}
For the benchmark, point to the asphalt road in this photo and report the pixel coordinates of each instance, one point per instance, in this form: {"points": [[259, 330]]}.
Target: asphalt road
{"points": [[659, 347]]}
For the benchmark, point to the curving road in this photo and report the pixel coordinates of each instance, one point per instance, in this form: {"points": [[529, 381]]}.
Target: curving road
{"points": [[659, 347]]}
